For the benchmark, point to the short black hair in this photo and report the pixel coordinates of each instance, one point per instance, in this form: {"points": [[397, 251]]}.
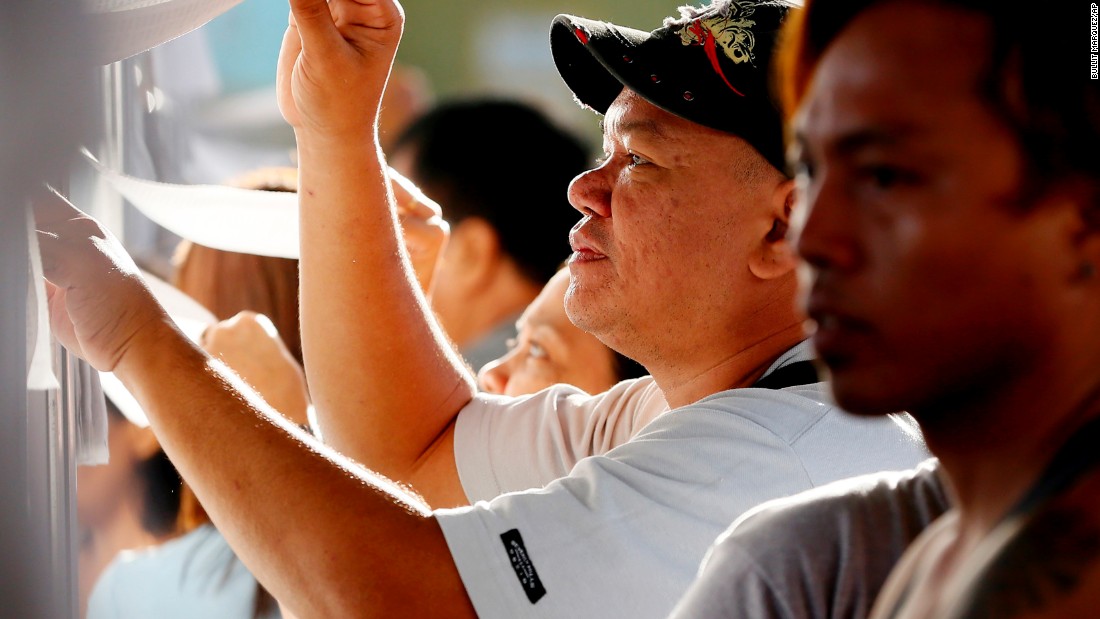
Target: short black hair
{"points": [[507, 163], [161, 485], [1035, 80]]}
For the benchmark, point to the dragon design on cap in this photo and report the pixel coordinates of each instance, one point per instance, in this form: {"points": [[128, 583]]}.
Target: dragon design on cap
{"points": [[730, 28]]}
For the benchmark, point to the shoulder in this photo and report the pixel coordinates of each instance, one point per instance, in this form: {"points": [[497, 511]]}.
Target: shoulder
{"points": [[883, 511], [1045, 562], [842, 535], [785, 413], [180, 560], [137, 580], [193, 575]]}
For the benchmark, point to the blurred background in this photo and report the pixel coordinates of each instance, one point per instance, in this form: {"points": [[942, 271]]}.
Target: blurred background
{"points": [[201, 109], [221, 76]]}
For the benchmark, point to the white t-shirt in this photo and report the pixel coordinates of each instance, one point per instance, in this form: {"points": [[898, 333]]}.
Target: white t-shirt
{"points": [[623, 533]]}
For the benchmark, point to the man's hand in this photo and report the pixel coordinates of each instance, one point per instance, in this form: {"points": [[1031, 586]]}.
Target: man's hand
{"points": [[334, 62], [99, 305], [426, 232], [250, 345]]}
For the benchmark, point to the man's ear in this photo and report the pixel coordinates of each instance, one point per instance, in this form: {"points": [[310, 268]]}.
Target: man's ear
{"points": [[474, 250], [1073, 208], [775, 256]]}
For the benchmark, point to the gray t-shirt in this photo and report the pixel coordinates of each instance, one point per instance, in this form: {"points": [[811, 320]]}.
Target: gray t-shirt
{"points": [[822, 553]]}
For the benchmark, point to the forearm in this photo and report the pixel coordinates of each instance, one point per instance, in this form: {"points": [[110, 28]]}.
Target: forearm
{"points": [[384, 380], [326, 538]]}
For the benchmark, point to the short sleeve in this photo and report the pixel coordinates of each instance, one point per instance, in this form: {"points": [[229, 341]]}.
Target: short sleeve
{"points": [[644, 513], [505, 444]]}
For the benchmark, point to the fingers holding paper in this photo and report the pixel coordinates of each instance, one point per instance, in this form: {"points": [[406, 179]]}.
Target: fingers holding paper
{"points": [[99, 305]]}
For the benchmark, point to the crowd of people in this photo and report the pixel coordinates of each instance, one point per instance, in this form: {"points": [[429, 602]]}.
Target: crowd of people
{"points": [[825, 345]]}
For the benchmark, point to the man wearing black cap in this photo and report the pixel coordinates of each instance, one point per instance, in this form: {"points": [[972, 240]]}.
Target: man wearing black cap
{"points": [[679, 261]]}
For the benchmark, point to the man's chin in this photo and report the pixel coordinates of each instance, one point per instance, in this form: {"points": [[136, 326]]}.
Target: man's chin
{"points": [[862, 394]]}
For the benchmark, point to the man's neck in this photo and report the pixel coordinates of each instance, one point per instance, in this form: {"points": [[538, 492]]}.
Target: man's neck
{"points": [[477, 312], [685, 383], [995, 448]]}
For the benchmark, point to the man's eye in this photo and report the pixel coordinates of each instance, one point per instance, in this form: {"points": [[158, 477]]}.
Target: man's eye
{"points": [[636, 160], [883, 176], [803, 169], [536, 351], [887, 177]]}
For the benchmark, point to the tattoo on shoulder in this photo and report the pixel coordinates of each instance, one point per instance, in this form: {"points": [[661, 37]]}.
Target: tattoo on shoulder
{"points": [[1040, 566]]}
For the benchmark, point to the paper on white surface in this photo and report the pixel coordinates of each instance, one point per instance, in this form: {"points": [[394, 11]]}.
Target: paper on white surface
{"points": [[128, 27], [40, 376], [91, 414], [248, 221], [191, 317]]}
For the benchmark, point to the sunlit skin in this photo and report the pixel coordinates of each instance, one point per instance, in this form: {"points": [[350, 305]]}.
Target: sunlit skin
{"points": [[934, 288], [670, 266], [549, 350]]}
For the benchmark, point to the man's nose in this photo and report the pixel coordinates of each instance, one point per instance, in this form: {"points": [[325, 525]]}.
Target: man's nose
{"points": [[590, 192], [825, 227]]}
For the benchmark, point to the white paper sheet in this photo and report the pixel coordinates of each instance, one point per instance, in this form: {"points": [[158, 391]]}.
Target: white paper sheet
{"points": [[40, 376], [264, 223], [128, 27], [91, 415]]}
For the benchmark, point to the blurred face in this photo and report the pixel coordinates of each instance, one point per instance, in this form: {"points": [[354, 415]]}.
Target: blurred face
{"points": [[929, 282], [671, 215], [550, 350], [101, 489]]}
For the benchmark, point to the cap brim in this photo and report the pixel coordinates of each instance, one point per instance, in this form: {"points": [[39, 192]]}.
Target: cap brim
{"points": [[588, 55]]}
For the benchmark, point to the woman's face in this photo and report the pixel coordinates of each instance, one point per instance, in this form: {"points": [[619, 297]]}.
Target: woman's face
{"points": [[550, 350], [101, 489]]}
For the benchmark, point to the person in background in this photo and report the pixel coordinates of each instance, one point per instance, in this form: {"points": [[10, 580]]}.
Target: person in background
{"points": [[550, 350], [188, 569], [408, 96], [509, 228], [130, 502], [227, 283]]}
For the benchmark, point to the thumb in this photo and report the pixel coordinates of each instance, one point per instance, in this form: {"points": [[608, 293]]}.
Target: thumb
{"points": [[51, 207]]}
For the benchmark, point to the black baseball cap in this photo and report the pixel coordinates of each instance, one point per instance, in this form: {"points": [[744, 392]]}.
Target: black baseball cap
{"points": [[711, 66]]}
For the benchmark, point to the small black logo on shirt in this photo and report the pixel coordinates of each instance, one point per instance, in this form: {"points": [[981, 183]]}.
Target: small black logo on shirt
{"points": [[521, 563]]}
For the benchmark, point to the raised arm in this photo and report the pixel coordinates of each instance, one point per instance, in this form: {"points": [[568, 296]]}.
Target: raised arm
{"points": [[326, 538], [384, 381]]}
